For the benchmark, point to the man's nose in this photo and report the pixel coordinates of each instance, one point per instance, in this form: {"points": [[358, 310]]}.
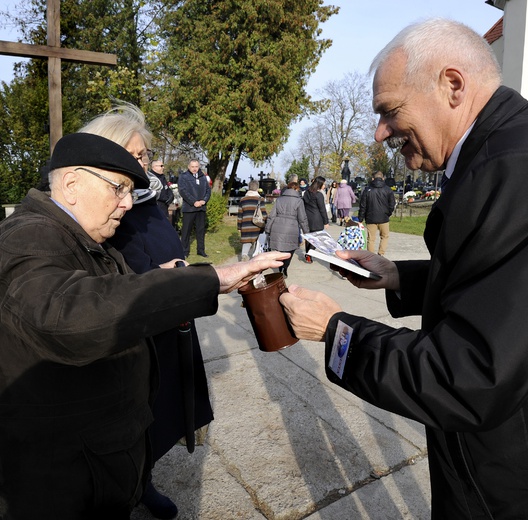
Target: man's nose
{"points": [[127, 202], [383, 131]]}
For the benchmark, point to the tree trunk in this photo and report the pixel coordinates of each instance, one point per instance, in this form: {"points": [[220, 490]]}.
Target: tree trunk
{"points": [[217, 171]]}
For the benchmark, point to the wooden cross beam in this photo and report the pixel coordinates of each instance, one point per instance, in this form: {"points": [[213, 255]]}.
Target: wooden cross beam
{"points": [[54, 53]]}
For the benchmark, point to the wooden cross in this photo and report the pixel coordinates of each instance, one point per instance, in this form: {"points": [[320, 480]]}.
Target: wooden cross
{"points": [[54, 53]]}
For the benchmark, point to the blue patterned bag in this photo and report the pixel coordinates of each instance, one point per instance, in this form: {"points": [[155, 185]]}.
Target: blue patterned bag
{"points": [[353, 237]]}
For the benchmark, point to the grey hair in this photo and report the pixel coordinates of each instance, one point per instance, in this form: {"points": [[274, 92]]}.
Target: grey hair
{"points": [[119, 124], [432, 44], [253, 185]]}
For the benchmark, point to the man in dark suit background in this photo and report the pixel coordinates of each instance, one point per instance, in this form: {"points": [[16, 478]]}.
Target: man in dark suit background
{"points": [[195, 191]]}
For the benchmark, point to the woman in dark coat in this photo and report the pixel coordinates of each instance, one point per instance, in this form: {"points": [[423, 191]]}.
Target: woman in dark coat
{"points": [[284, 221], [249, 232], [148, 241], [314, 204]]}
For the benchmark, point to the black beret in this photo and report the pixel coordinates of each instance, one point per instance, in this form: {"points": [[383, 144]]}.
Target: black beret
{"points": [[82, 149]]}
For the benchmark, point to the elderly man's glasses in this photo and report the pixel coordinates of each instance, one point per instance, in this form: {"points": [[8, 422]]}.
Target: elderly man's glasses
{"points": [[121, 190]]}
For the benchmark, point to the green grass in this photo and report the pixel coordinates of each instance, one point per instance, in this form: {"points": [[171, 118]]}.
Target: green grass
{"points": [[220, 246], [409, 225]]}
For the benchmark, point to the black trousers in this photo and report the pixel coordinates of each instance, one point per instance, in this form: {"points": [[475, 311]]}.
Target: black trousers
{"points": [[286, 263], [190, 220]]}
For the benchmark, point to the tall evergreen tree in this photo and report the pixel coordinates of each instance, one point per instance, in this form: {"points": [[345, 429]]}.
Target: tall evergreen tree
{"points": [[379, 160], [234, 73], [300, 168]]}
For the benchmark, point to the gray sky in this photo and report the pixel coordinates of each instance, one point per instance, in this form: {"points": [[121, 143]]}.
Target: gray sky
{"points": [[359, 31]]}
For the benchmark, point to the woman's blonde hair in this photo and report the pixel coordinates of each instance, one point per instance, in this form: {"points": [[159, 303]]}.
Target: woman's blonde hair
{"points": [[119, 124]]}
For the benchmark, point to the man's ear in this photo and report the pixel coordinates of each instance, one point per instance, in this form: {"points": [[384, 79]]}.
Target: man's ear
{"points": [[70, 186], [455, 84]]}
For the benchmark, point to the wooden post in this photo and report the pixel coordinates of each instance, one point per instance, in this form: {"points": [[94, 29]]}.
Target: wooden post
{"points": [[54, 54], [54, 74]]}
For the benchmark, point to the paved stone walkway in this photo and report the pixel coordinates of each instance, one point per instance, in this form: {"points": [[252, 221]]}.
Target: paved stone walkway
{"points": [[286, 444]]}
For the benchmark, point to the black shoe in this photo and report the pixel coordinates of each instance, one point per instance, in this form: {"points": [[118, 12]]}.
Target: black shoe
{"points": [[204, 254], [159, 505]]}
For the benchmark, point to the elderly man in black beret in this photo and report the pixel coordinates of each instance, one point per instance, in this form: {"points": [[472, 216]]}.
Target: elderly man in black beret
{"points": [[76, 370]]}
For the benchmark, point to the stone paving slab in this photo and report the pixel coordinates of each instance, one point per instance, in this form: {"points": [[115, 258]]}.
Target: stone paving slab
{"points": [[404, 495]]}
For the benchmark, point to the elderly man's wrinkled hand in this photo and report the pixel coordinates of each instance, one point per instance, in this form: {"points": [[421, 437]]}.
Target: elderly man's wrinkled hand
{"points": [[236, 275], [308, 312]]}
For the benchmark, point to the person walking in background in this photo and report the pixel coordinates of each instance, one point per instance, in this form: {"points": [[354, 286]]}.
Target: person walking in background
{"points": [[285, 218], [165, 196], [314, 205], [437, 90], [195, 191], [249, 232], [344, 199], [148, 241], [330, 196], [292, 178], [303, 186], [376, 205]]}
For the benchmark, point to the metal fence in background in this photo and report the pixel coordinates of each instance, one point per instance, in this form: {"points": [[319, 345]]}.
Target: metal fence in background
{"points": [[419, 208]]}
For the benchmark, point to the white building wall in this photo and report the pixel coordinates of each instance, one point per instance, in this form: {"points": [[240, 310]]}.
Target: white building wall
{"points": [[498, 49], [514, 42]]}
